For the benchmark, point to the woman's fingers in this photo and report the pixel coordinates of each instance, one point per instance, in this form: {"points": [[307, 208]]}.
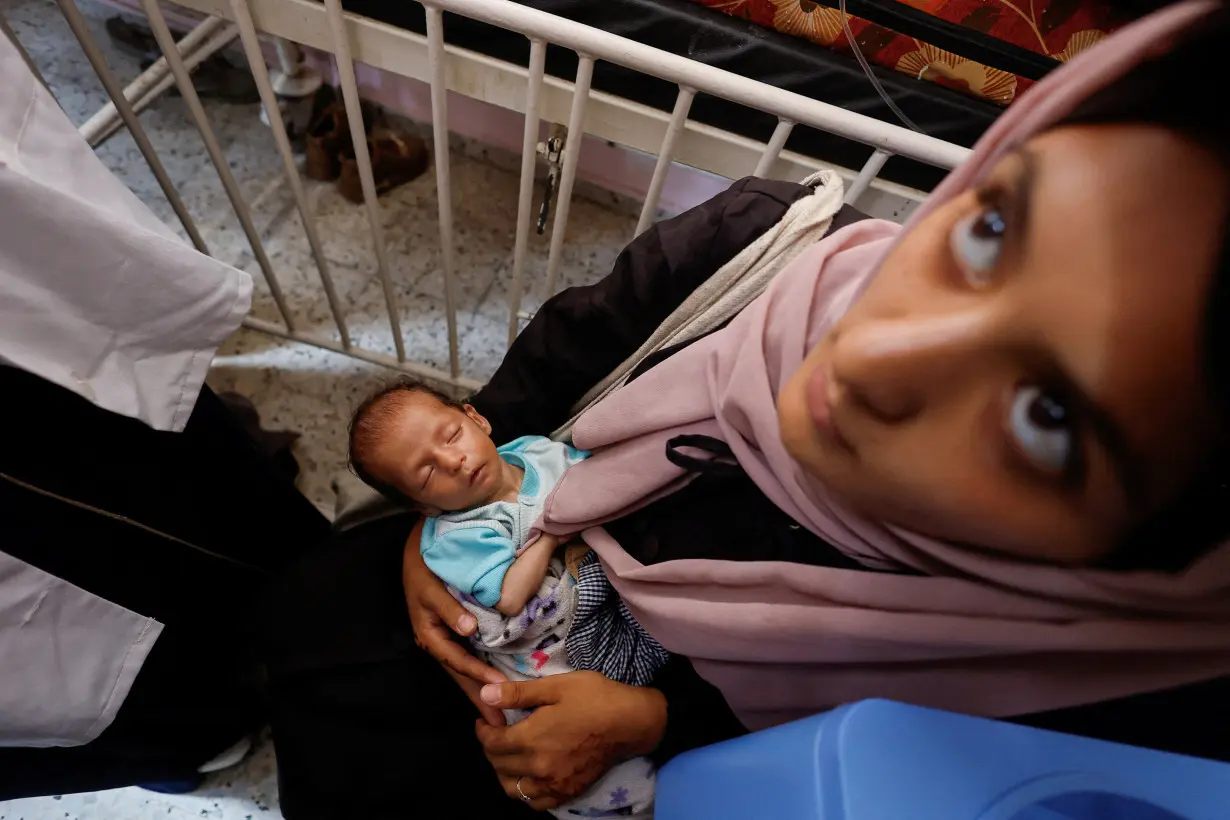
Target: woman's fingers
{"points": [[424, 591], [539, 799], [516, 765], [456, 659], [496, 741], [512, 765], [437, 599], [522, 694], [490, 714]]}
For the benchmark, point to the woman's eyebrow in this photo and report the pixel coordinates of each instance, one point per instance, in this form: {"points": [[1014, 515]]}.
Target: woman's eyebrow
{"points": [[1023, 186], [1125, 463]]}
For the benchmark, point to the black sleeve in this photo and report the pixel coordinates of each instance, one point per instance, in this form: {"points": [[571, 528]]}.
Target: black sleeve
{"points": [[581, 334], [697, 714], [1189, 720]]}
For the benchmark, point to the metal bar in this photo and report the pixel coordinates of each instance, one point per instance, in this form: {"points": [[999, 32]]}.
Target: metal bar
{"points": [[568, 175], [106, 122], [76, 22], [679, 119], [403, 52], [419, 370], [354, 115], [157, 75], [525, 199], [25, 55], [444, 183], [260, 73], [158, 25], [862, 182], [773, 148], [290, 58], [681, 70], [706, 79]]}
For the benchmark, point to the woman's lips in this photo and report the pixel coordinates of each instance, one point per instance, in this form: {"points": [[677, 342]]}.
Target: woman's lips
{"points": [[819, 396]]}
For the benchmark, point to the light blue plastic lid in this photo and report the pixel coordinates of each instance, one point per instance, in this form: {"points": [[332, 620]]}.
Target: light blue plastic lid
{"points": [[878, 760]]}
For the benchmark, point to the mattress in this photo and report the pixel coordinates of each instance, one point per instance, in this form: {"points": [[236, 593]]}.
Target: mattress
{"points": [[990, 49], [737, 45]]}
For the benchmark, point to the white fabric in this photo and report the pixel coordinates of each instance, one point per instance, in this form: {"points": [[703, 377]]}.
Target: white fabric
{"points": [[533, 644], [67, 658], [732, 287], [96, 294]]}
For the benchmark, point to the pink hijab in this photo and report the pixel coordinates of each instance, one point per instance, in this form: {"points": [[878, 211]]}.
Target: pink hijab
{"points": [[977, 633]]}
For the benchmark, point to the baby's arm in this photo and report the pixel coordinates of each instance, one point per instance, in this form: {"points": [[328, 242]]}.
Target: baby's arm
{"points": [[525, 575]]}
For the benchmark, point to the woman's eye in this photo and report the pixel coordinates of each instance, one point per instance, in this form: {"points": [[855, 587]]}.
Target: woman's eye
{"points": [[1041, 424], [977, 241]]}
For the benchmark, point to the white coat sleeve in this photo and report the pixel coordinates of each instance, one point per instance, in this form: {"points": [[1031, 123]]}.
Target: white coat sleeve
{"points": [[96, 294]]}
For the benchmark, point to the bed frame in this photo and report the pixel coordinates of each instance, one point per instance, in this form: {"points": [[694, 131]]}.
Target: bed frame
{"points": [[673, 138]]}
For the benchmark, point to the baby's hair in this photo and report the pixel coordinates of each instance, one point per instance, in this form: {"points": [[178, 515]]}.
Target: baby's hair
{"points": [[371, 420]]}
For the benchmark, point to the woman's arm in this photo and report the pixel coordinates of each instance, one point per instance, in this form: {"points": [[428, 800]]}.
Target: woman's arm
{"points": [[524, 577]]}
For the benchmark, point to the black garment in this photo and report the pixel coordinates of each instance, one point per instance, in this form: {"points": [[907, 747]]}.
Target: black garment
{"points": [[1188, 720], [581, 334], [210, 486], [687, 524], [365, 723], [368, 725]]}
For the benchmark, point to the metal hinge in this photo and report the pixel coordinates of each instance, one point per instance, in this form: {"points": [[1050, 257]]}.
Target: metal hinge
{"points": [[551, 150]]}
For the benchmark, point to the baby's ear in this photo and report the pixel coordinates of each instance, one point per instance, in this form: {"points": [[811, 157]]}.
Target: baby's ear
{"points": [[477, 418]]}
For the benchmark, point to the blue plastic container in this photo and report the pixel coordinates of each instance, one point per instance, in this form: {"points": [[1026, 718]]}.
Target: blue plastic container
{"points": [[878, 760]]}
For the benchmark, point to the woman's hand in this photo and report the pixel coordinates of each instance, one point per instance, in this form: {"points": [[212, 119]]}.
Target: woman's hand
{"points": [[583, 724], [435, 616]]}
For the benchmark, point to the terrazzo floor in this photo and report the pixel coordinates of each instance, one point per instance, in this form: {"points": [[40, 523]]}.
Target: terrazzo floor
{"points": [[295, 386]]}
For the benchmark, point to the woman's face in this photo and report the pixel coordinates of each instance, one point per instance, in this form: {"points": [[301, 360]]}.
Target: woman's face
{"points": [[1024, 374]]}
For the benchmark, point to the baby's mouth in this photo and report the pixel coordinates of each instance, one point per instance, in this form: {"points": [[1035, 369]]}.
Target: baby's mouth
{"points": [[478, 471]]}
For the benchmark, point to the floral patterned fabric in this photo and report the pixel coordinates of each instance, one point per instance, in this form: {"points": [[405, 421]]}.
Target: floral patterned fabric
{"points": [[1057, 28]]}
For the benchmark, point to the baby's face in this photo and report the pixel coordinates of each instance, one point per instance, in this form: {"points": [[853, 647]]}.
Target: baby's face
{"points": [[439, 456]]}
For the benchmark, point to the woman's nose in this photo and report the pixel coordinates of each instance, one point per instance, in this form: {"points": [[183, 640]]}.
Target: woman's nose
{"points": [[891, 368]]}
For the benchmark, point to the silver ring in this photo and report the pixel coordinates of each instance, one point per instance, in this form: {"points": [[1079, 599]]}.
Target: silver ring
{"points": [[524, 796]]}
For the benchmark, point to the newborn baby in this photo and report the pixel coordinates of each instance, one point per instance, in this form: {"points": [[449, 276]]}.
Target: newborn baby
{"points": [[419, 446]]}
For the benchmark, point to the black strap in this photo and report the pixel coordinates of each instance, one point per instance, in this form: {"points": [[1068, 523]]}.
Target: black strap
{"points": [[722, 462]]}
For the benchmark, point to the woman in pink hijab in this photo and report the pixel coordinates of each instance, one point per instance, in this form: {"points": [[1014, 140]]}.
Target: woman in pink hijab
{"points": [[997, 438]]}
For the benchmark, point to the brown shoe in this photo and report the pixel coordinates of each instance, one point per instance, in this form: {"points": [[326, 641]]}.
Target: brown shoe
{"points": [[328, 136], [396, 160]]}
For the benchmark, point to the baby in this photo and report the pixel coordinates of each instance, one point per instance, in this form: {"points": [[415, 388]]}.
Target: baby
{"points": [[419, 446]]}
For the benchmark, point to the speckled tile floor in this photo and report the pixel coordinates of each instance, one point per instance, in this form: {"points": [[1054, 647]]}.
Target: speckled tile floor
{"points": [[295, 386]]}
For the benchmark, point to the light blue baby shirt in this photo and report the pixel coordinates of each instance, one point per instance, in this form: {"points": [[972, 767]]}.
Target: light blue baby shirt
{"points": [[471, 550]]}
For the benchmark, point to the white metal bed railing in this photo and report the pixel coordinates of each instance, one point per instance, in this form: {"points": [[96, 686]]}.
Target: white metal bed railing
{"points": [[352, 38]]}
